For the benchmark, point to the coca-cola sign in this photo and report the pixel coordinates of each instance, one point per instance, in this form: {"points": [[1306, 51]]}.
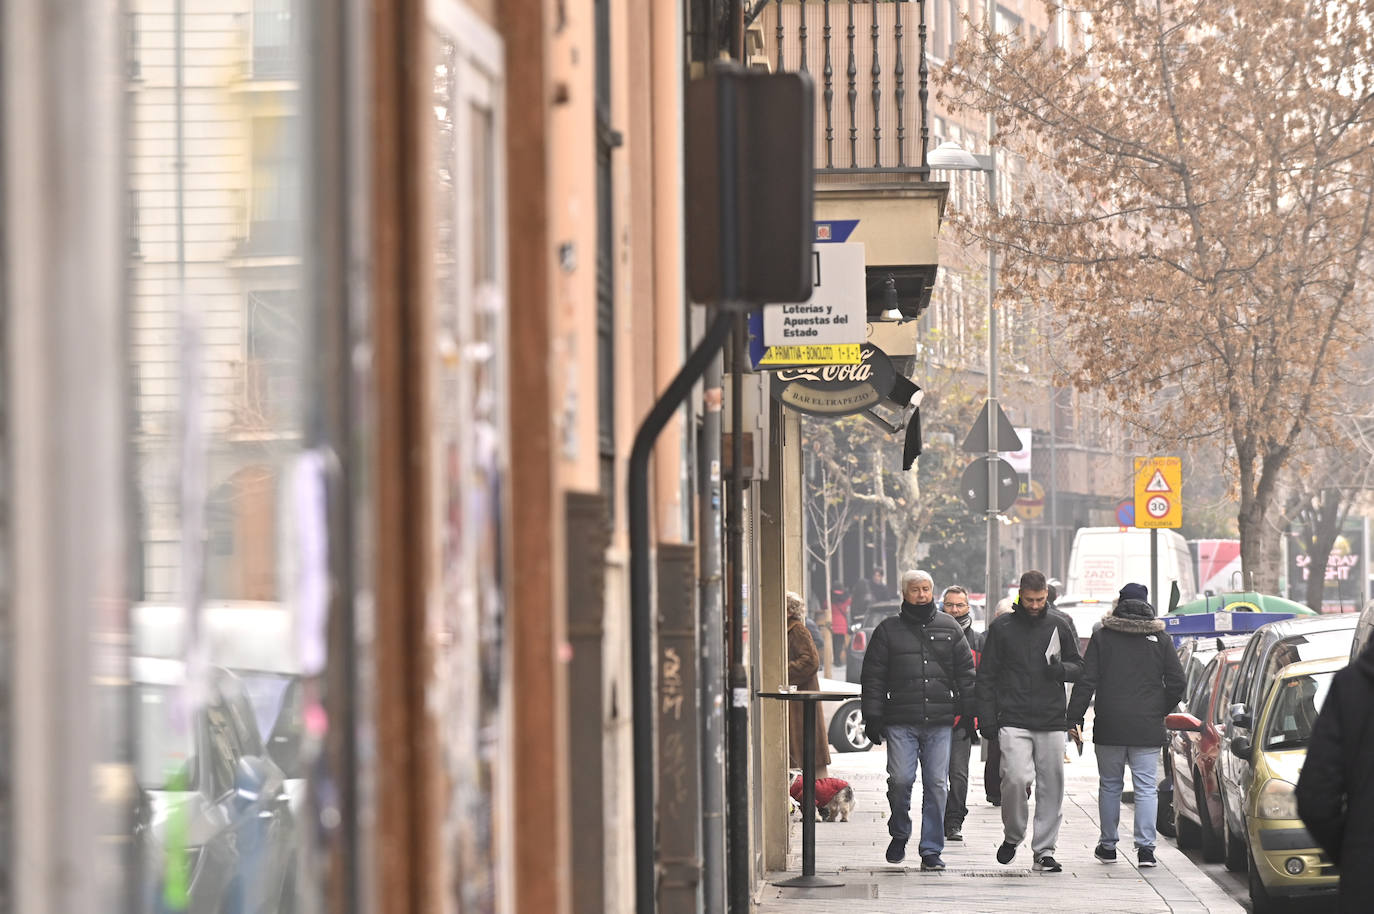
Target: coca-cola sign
{"points": [[836, 390]]}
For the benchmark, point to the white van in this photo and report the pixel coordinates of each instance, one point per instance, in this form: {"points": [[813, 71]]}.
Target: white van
{"points": [[1104, 559]]}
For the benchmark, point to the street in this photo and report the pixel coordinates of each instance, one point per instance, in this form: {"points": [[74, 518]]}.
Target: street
{"points": [[974, 882]]}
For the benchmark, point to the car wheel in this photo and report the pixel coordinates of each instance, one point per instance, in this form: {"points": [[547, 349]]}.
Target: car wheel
{"points": [[1187, 834], [1260, 899], [1164, 812], [1213, 843], [1237, 854], [1166, 816], [847, 729]]}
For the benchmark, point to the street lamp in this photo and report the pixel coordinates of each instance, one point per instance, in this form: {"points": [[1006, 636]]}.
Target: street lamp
{"points": [[950, 156]]}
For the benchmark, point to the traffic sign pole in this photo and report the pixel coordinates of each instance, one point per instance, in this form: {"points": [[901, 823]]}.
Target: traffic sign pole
{"points": [[1154, 565]]}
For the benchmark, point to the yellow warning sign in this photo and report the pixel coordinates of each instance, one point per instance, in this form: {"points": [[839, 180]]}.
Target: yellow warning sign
{"points": [[1158, 492], [823, 354]]}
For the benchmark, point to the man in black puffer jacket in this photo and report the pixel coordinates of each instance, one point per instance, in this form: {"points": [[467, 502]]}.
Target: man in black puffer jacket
{"points": [[1336, 787], [1133, 667], [1028, 655], [917, 678]]}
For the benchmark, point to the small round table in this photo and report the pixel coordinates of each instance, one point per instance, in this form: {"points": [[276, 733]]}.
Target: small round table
{"points": [[808, 878]]}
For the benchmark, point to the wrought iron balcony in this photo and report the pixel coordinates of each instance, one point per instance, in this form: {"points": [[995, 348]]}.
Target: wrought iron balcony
{"points": [[859, 52]]}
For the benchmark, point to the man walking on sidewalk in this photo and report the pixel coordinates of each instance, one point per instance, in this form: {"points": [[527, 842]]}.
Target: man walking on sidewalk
{"points": [[917, 678], [955, 604], [1028, 655], [1132, 666]]}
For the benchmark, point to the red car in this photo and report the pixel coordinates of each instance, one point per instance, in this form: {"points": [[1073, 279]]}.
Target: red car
{"points": [[1196, 738]]}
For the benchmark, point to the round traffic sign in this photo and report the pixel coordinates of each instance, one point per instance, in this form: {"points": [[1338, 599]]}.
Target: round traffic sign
{"points": [[1157, 506], [1125, 513]]}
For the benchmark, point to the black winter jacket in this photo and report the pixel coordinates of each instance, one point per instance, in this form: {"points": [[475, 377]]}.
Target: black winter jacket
{"points": [[1133, 667], [1336, 788], [917, 670], [1016, 686]]}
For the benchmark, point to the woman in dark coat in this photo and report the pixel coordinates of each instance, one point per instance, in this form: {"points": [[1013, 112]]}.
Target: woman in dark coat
{"points": [[1336, 788], [803, 663]]}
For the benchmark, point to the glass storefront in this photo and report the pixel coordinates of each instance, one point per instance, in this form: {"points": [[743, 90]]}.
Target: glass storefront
{"points": [[230, 598]]}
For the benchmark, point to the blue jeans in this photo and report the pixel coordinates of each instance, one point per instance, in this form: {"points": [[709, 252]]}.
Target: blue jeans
{"points": [[1111, 771], [907, 747]]}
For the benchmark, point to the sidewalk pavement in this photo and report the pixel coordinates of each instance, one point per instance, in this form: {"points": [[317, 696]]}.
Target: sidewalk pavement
{"points": [[853, 852]]}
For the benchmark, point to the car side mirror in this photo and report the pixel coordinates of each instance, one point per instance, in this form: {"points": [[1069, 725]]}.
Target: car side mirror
{"points": [[1182, 721], [1240, 716], [1240, 747]]}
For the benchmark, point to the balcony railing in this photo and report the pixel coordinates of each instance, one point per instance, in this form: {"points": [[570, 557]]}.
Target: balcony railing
{"points": [[862, 54]]}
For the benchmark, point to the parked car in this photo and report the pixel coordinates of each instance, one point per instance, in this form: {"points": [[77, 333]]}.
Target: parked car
{"points": [[1284, 862], [1085, 614], [1272, 647], [213, 826], [844, 719], [1195, 654], [861, 628], [1195, 739]]}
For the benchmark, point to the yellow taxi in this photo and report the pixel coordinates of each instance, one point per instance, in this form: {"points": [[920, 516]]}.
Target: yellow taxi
{"points": [[1285, 863]]}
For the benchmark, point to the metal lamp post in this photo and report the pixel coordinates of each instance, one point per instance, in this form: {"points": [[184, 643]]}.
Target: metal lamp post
{"points": [[953, 157]]}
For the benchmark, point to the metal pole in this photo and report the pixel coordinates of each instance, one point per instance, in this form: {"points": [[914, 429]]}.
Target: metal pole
{"points": [[994, 557], [713, 665], [642, 604], [737, 743], [808, 789], [1154, 564], [1053, 492]]}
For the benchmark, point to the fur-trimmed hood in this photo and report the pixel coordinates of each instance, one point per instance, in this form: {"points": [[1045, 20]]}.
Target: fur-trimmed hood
{"points": [[1132, 625]]}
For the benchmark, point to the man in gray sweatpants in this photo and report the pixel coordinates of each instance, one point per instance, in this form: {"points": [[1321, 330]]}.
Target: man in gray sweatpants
{"points": [[1028, 655]]}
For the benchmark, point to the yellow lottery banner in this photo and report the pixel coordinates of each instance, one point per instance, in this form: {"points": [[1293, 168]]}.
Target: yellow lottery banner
{"points": [[815, 354]]}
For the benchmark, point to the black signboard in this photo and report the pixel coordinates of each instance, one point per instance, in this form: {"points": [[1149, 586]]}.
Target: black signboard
{"points": [[836, 390]]}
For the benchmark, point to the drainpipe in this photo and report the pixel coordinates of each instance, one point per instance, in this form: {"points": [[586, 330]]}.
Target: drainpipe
{"points": [[642, 606]]}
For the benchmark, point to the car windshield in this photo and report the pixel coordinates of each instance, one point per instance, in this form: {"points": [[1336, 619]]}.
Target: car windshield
{"points": [[1294, 711], [877, 613]]}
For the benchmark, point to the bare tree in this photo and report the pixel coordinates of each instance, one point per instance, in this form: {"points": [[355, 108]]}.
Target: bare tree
{"points": [[1198, 209], [1340, 469]]}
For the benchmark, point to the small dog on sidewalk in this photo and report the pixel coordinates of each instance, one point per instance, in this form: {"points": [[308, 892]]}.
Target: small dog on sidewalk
{"points": [[834, 798]]}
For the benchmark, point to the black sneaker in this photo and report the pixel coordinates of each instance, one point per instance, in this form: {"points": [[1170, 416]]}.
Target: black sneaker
{"points": [[995, 801], [896, 850], [1005, 853], [1105, 854], [954, 833], [1047, 864], [1145, 856], [932, 862]]}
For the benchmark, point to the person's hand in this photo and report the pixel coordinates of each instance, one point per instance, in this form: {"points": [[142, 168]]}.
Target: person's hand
{"points": [[988, 733], [873, 729], [1055, 669]]}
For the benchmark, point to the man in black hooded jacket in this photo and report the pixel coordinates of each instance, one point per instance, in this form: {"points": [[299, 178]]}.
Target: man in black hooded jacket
{"points": [[1133, 669], [917, 678], [1028, 655], [1336, 787]]}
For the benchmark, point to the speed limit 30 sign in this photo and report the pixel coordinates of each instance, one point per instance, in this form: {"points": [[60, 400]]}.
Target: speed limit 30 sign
{"points": [[1158, 492]]}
